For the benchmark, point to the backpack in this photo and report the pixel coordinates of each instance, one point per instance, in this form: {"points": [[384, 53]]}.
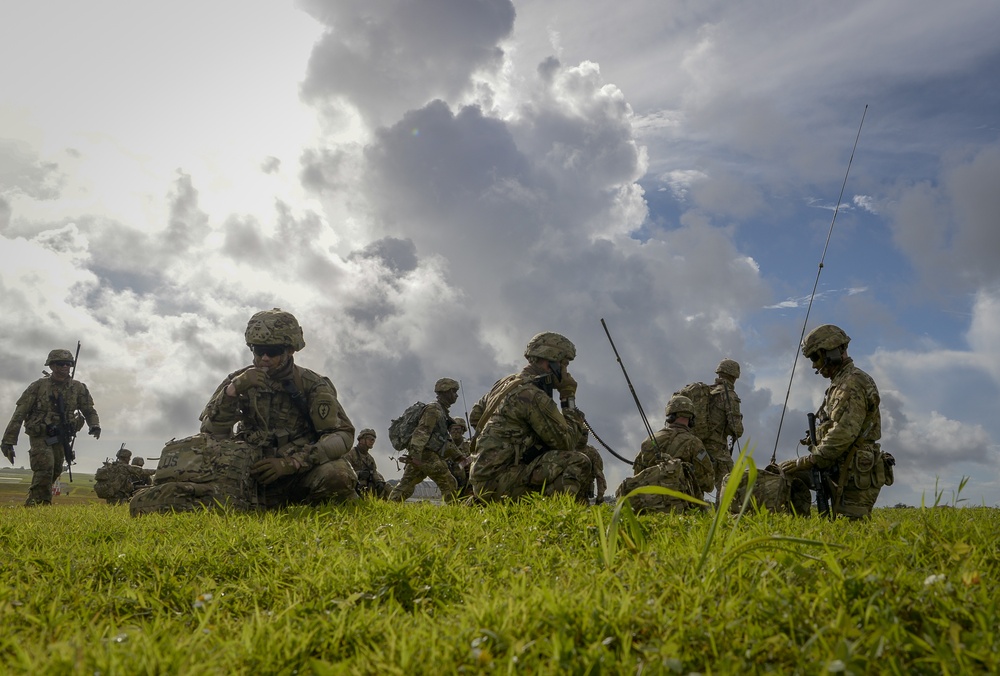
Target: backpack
{"points": [[673, 474], [700, 395], [198, 472], [112, 482], [401, 428], [772, 492]]}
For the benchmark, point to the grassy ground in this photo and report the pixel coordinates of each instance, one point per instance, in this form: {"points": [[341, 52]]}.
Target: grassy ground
{"points": [[14, 488], [527, 588]]}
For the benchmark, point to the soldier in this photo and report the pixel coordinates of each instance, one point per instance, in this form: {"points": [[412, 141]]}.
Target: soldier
{"points": [[139, 475], [459, 467], [291, 413], [677, 460], [39, 409], [597, 465], [123, 456], [370, 482], [525, 444], [725, 420], [846, 453], [431, 447]]}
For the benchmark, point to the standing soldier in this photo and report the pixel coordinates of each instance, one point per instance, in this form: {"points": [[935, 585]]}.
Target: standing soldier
{"points": [[431, 447], [725, 421], [370, 482], [674, 458], [845, 453], [291, 413], [49, 410], [525, 443]]}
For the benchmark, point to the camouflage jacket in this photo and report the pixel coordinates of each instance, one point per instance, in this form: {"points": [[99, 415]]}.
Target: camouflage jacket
{"points": [[434, 422], [849, 415], [37, 408], [724, 416], [525, 421], [677, 441], [269, 416]]}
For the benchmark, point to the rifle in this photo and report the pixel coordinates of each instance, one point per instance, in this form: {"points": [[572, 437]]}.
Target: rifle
{"points": [[64, 433], [822, 487]]}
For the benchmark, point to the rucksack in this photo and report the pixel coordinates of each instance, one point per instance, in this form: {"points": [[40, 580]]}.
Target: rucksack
{"points": [[401, 428], [198, 472], [700, 395], [112, 482], [673, 474]]}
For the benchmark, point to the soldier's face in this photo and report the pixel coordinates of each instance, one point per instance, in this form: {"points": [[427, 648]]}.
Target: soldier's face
{"points": [[268, 357], [367, 442], [60, 370], [456, 433]]}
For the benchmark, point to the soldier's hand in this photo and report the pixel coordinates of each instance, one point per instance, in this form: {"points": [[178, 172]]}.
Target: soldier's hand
{"points": [[253, 377], [95, 432], [270, 470], [567, 386], [8, 452]]}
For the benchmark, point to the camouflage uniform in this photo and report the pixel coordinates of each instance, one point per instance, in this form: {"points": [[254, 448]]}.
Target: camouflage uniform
{"points": [[293, 415], [38, 409], [526, 444], [596, 464], [724, 419], [849, 427], [459, 466], [430, 448], [140, 476], [370, 481], [677, 460]]}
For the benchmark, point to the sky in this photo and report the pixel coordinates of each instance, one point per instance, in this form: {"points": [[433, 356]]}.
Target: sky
{"points": [[426, 185]]}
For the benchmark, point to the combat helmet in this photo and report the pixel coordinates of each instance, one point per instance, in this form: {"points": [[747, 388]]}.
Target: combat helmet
{"points": [[445, 385], [679, 405], [728, 367], [123, 454], [59, 355], [458, 422], [367, 432], [138, 461], [550, 346], [825, 337], [275, 327]]}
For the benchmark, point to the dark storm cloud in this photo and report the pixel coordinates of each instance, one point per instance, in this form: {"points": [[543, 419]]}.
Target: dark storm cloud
{"points": [[388, 56], [399, 255]]}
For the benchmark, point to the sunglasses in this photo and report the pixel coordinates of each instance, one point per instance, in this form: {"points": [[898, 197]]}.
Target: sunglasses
{"points": [[61, 363], [268, 350]]}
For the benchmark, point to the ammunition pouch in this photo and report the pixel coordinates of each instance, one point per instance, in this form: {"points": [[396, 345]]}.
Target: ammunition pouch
{"points": [[871, 467]]}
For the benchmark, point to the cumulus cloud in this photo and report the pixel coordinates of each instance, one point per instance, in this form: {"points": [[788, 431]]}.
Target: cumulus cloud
{"points": [[949, 229]]}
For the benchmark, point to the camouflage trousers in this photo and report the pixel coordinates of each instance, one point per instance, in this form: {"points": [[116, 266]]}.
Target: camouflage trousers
{"points": [[419, 466], [46, 464], [332, 481], [855, 503], [722, 462], [551, 472]]}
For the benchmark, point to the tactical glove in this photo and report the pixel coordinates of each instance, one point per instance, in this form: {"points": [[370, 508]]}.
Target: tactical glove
{"points": [[95, 432], [8, 452], [270, 470], [250, 378], [566, 386]]}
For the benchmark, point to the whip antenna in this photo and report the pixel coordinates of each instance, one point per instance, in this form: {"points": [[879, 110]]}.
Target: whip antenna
{"points": [[805, 322]]}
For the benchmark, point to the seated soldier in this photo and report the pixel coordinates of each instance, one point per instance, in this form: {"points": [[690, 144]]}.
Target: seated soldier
{"points": [[673, 458]]}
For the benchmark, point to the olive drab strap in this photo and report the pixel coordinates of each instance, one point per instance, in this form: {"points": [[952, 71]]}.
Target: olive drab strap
{"points": [[491, 408]]}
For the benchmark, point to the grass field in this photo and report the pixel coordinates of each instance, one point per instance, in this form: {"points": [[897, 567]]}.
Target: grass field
{"points": [[14, 488], [509, 588]]}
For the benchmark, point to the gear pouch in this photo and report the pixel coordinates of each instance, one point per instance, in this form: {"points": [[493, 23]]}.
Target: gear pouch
{"points": [[864, 463]]}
